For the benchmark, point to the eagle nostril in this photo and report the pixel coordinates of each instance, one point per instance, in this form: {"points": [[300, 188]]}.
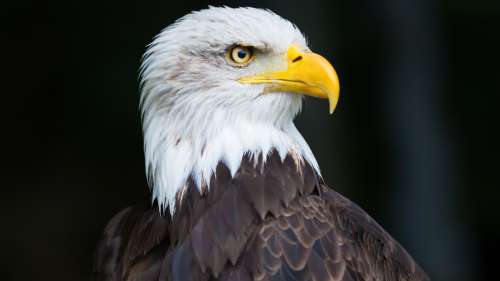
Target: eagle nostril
{"points": [[297, 59]]}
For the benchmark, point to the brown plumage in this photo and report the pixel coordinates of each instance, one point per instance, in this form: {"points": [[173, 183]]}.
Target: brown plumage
{"points": [[272, 221]]}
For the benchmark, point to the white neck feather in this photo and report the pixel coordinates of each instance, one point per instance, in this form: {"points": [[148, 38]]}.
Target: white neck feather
{"points": [[192, 146]]}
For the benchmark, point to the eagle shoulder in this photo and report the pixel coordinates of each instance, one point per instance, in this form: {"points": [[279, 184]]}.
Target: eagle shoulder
{"points": [[325, 236]]}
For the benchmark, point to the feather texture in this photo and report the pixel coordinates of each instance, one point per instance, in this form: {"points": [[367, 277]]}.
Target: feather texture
{"points": [[296, 228]]}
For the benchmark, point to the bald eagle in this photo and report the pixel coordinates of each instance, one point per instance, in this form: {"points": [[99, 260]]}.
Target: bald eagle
{"points": [[237, 193]]}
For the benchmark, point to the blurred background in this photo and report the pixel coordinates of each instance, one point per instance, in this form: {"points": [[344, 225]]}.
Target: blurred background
{"points": [[414, 139]]}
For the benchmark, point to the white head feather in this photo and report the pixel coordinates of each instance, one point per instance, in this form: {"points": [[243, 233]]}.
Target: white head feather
{"points": [[196, 113]]}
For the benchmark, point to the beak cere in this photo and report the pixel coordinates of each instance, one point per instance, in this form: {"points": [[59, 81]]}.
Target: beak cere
{"points": [[307, 73]]}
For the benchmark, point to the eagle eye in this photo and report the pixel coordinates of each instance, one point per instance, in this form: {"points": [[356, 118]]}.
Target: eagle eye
{"points": [[240, 55]]}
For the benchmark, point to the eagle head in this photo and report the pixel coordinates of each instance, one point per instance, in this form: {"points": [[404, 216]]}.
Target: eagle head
{"points": [[221, 83]]}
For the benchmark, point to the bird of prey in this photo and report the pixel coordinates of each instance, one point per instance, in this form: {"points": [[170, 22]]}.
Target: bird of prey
{"points": [[237, 193]]}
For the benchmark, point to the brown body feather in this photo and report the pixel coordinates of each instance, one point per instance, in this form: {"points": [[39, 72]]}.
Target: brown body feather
{"points": [[271, 221]]}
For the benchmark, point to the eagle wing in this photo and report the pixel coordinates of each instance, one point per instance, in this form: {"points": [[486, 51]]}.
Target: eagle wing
{"points": [[325, 237], [132, 246]]}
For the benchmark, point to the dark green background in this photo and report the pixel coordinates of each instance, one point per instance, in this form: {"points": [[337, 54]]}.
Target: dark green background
{"points": [[413, 140]]}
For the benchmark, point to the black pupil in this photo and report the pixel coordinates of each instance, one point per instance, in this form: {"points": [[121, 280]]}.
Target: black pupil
{"points": [[242, 54]]}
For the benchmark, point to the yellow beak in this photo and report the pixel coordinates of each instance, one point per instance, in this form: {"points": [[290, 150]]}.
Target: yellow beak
{"points": [[307, 73]]}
